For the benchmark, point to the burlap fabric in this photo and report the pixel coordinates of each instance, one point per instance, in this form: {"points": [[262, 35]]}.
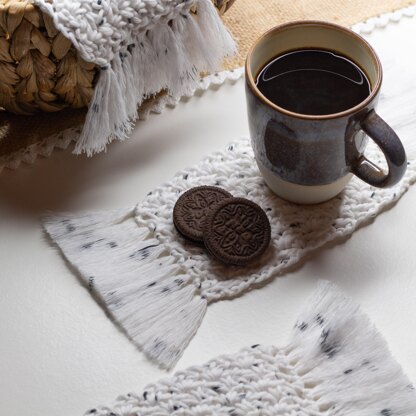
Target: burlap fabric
{"points": [[247, 19]]}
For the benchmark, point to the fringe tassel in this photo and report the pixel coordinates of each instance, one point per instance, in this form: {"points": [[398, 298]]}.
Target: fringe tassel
{"points": [[147, 294], [167, 57], [341, 355]]}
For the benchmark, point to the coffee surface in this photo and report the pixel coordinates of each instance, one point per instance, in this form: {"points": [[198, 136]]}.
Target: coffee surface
{"points": [[313, 82]]}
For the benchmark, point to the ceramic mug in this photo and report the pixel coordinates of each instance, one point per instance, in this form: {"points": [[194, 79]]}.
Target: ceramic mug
{"points": [[310, 158]]}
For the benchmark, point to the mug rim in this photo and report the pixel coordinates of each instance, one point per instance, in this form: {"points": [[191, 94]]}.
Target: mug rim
{"points": [[376, 61]]}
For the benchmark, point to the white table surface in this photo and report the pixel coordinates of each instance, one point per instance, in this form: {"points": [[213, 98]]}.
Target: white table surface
{"points": [[60, 354]]}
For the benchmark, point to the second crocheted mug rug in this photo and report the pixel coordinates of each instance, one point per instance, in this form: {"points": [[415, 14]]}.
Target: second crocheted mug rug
{"points": [[157, 286], [336, 364]]}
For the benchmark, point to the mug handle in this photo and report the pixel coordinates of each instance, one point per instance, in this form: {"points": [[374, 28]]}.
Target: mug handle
{"points": [[388, 141]]}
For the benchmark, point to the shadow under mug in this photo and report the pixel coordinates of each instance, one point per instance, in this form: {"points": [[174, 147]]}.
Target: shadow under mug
{"points": [[310, 158]]}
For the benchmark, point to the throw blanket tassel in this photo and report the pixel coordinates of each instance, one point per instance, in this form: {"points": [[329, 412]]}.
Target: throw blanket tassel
{"points": [[165, 52]]}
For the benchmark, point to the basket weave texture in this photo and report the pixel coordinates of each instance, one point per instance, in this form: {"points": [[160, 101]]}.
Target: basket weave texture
{"points": [[39, 67]]}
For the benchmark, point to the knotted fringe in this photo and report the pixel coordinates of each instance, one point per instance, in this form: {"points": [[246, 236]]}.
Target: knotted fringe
{"points": [[345, 363], [167, 57], [148, 294]]}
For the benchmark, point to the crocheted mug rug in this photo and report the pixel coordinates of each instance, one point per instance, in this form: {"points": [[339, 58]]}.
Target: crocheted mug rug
{"points": [[156, 285], [336, 363]]}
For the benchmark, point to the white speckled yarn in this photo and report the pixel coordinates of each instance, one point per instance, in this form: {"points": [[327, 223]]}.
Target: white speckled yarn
{"points": [[157, 287], [336, 364], [142, 47]]}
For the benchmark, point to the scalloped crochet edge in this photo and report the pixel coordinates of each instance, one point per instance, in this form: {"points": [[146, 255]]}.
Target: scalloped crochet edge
{"points": [[64, 139]]}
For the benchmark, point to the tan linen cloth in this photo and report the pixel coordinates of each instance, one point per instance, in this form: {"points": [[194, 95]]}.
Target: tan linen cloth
{"points": [[246, 19]]}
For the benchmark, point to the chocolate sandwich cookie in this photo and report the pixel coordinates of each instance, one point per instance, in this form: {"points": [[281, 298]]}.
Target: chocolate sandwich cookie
{"points": [[192, 207], [237, 231]]}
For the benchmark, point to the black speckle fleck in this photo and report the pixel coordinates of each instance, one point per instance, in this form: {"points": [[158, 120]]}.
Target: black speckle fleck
{"points": [[303, 326], [372, 195], [151, 284], [328, 348], [90, 412], [217, 183], [165, 289], [91, 243], [185, 176], [143, 253], [122, 55], [70, 228], [145, 395], [90, 282], [348, 371], [179, 281], [386, 412], [215, 388], [231, 148], [112, 244], [319, 319]]}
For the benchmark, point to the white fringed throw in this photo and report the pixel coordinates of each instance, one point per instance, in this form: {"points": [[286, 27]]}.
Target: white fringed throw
{"points": [[157, 286], [142, 47], [336, 364]]}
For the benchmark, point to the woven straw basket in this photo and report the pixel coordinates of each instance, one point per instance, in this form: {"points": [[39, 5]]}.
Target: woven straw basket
{"points": [[39, 67]]}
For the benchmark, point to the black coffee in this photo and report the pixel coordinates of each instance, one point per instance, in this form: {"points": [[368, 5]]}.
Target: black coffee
{"points": [[313, 82]]}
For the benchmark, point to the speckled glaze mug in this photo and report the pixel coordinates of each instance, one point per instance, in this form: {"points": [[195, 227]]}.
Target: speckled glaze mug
{"points": [[310, 158]]}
